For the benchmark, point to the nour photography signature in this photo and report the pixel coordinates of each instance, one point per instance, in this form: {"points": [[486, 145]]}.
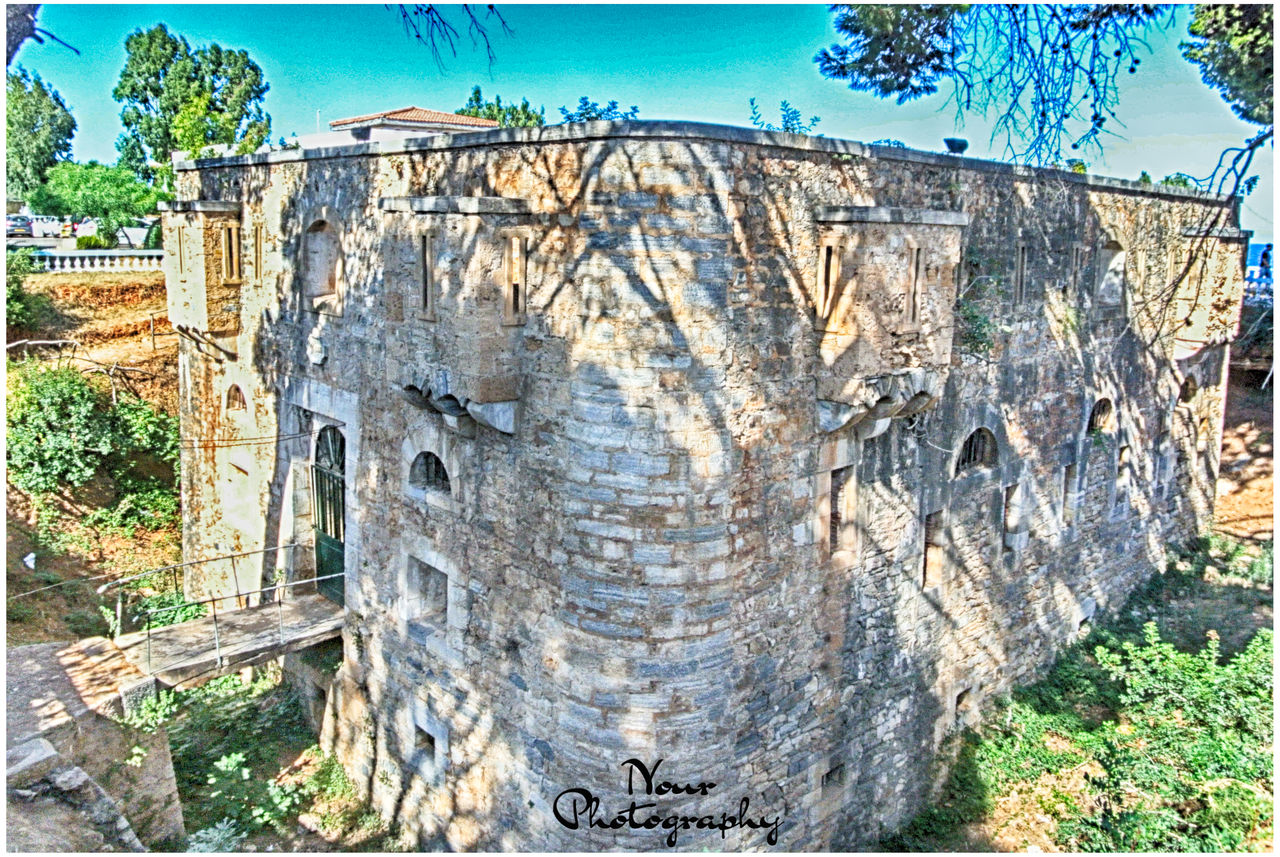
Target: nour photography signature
{"points": [[579, 808]]}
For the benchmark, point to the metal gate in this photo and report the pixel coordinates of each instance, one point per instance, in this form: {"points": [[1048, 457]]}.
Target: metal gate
{"points": [[329, 507]]}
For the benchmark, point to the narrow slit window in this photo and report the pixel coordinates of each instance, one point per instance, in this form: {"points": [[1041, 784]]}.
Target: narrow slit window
{"points": [[425, 280], [258, 236], [1077, 267], [182, 253], [916, 274], [516, 266], [1068, 493], [934, 551], [1012, 512], [1020, 275], [828, 274], [839, 492], [231, 254]]}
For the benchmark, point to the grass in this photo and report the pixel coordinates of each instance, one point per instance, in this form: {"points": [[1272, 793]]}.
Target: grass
{"points": [[1151, 734]]}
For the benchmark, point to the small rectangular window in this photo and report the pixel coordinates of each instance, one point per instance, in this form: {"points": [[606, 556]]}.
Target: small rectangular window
{"points": [[834, 777], [516, 266], [934, 551], [1020, 275], [231, 254], [427, 598]]}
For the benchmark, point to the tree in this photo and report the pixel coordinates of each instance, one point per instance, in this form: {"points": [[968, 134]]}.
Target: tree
{"points": [[112, 195], [162, 76], [506, 115], [1049, 71], [791, 121], [20, 25], [1234, 47], [428, 25], [590, 111], [39, 127]]}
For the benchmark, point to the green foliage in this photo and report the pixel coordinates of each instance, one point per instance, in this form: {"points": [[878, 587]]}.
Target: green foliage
{"points": [[39, 129], [1144, 178], [144, 429], [1177, 180], [147, 503], [222, 837], [975, 331], [226, 741], [60, 429], [94, 242], [17, 611], [152, 711], [218, 92], [331, 782], [1077, 166], [1234, 47], [1047, 72], [590, 111], [174, 606], [506, 115], [791, 121], [111, 195], [22, 309], [1178, 742], [86, 623]]}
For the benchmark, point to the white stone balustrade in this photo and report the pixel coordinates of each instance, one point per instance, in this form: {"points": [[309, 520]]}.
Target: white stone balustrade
{"points": [[75, 261]]}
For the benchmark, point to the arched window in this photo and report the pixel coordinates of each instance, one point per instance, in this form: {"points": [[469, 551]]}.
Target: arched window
{"points": [[1101, 417], [979, 450], [235, 399], [1188, 390], [428, 474], [322, 260]]}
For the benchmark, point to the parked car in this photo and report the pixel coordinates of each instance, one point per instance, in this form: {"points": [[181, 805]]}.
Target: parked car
{"points": [[134, 234], [18, 225], [45, 226]]}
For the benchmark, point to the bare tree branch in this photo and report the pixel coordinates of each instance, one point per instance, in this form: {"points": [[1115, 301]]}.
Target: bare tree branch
{"points": [[427, 25]]}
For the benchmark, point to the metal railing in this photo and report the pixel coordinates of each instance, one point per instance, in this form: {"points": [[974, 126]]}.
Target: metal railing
{"points": [[213, 600], [178, 587]]}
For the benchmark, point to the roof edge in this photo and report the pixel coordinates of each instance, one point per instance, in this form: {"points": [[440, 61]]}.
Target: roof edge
{"points": [[671, 130]]}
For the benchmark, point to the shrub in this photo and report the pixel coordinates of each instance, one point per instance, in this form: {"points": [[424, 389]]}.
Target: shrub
{"points": [[222, 837], [94, 242], [86, 623], [60, 429], [16, 611], [20, 307]]}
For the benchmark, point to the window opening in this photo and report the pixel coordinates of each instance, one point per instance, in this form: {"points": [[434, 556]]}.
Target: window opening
{"points": [[1012, 512], [1020, 276], [235, 399], [1111, 273], [1077, 266], [913, 289], [1100, 416], [829, 271], [839, 489], [323, 263], [979, 450], [834, 777], [1187, 392], [231, 254], [427, 598], [516, 266], [428, 473], [1068, 493], [934, 551], [424, 266], [258, 241]]}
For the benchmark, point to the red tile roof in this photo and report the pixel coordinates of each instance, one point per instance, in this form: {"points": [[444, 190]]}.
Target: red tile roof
{"points": [[418, 114]]}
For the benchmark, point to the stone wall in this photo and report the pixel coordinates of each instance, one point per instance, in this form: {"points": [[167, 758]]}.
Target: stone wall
{"points": [[702, 396]]}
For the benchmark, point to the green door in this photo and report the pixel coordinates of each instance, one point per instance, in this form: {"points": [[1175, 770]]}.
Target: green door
{"points": [[328, 488]]}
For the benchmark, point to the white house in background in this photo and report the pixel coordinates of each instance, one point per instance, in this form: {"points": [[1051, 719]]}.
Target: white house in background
{"points": [[393, 125]]}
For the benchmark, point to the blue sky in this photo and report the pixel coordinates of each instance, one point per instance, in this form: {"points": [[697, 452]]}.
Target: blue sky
{"points": [[674, 62]]}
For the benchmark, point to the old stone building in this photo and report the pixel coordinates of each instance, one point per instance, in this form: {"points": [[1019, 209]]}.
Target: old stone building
{"points": [[769, 457]]}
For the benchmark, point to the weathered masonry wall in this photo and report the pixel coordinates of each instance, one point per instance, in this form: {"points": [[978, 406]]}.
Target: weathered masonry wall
{"points": [[769, 457]]}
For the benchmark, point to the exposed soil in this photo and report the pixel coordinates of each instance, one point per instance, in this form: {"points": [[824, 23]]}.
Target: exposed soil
{"points": [[1245, 489]]}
